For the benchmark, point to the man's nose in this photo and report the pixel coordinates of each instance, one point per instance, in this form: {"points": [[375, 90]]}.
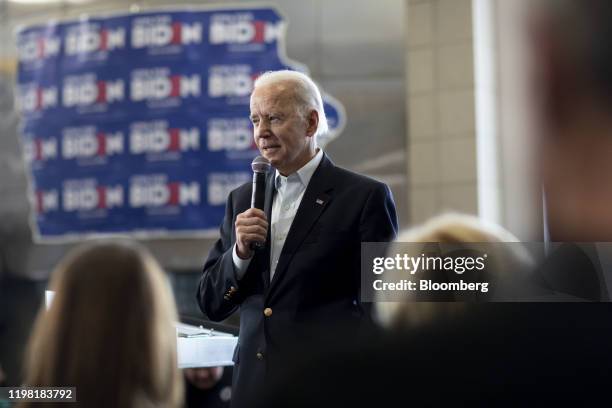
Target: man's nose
{"points": [[262, 130]]}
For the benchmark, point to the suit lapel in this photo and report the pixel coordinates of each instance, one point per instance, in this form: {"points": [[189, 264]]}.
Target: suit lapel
{"points": [[317, 196], [270, 193]]}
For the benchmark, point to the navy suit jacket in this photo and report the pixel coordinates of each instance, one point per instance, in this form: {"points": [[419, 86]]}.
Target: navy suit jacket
{"points": [[317, 280]]}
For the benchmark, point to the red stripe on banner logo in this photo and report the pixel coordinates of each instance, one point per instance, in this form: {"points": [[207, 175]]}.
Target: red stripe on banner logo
{"points": [[175, 141], [101, 196], [38, 149], [103, 40], [41, 48], [101, 144], [39, 202], [101, 92], [39, 98], [176, 86], [260, 28], [176, 33], [174, 193]]}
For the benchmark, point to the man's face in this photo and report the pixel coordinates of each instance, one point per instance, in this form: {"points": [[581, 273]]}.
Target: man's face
{"points": [[279, 131]]}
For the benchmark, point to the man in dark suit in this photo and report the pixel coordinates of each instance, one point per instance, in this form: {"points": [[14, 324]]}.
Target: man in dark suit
{"points": [[306, 279]]}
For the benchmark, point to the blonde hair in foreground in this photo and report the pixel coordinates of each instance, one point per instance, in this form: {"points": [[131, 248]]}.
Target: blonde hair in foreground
{"points": [[109, 331], [451, 228]]}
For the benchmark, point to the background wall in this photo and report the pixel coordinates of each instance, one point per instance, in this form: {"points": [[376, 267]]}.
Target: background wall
{"points": [[441, 108], [470, 132]]}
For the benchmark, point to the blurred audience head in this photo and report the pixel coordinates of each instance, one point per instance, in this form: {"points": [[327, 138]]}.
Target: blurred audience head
{"points": [[208, 387], [464, 233], [109, 331], [571, 47], [203, 378]]}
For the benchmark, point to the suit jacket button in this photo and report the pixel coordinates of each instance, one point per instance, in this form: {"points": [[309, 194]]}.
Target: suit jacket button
{"points": [[260, 355], [267, 312]]}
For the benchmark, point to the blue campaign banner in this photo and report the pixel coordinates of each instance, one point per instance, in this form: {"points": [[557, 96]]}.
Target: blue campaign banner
{"points": [[139, 123]]}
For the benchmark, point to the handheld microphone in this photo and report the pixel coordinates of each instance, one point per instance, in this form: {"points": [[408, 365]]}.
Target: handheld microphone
{"points": [[260, 166]]}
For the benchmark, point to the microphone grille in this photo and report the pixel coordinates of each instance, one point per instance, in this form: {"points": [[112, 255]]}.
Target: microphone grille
{"points": [[260, 165]]}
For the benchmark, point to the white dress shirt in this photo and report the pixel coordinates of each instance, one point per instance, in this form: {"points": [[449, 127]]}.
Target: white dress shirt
{"points": [[289, 193]]}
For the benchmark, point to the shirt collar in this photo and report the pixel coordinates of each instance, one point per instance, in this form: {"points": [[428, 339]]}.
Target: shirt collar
{"points": [[304, 174]]}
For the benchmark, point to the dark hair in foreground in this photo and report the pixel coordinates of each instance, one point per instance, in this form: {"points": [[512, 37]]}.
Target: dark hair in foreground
{"points": [[109, 331]]}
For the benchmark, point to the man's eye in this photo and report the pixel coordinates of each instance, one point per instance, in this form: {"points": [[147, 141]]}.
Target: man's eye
{"points": [[254, 121], [274, 119]]}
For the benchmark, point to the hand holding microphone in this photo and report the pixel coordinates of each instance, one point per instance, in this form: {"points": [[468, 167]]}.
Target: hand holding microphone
{"points": [[252, 225]]}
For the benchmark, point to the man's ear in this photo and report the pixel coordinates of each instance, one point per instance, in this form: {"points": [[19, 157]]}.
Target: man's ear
{"points": [[312, 123]]}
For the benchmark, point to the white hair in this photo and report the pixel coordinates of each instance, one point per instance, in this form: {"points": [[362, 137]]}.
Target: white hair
{"points": [[306, 93]]}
